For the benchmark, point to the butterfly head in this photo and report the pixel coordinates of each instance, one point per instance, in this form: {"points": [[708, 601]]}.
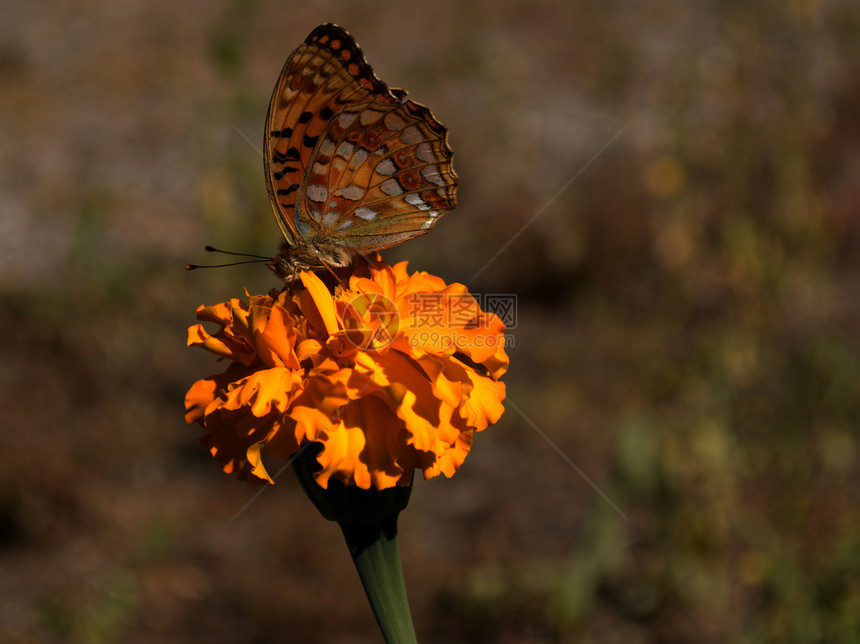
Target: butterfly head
{"points": [[292, 260]]}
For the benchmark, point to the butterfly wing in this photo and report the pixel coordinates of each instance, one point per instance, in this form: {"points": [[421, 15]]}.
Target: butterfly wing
{"points": [[322, 75], [381, 174], [349, 161]]}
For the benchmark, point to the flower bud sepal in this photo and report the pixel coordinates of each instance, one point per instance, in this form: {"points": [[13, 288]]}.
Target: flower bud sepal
{"points": [[368, 520]]}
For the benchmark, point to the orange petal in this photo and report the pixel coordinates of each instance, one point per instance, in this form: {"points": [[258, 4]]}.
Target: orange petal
{"points": [[322, 300], [255, 460], [484, 404], [235, 447], [276, 337], [316, 409], [363, 447], [307, 349], [198, 398], [205, 392], [265, 390]]}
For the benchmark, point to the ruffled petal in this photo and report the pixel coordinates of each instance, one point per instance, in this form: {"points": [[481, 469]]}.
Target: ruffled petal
{"points": [[483, 406], [391, 374], [322, 301]]}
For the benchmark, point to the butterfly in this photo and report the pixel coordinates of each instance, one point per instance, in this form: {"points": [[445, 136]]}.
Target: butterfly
{"points": [[352, 166]]}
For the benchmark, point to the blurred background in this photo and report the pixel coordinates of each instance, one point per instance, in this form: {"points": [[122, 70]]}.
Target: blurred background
{"points": [[687, 330]]}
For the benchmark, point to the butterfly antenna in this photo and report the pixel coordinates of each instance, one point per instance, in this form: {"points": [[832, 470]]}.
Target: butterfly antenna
{"points": [[211, 249], [258, 259], [193, 267]]}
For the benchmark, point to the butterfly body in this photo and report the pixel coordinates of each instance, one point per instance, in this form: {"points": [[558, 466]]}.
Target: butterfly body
{"points": [[352, 166]]}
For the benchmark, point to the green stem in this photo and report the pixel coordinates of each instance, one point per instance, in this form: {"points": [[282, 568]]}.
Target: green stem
{"points": [[374, 551], [368, 519]]}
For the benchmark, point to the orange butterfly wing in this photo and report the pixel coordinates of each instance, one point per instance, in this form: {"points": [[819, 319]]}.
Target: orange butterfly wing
{"points": [[349, 161]]}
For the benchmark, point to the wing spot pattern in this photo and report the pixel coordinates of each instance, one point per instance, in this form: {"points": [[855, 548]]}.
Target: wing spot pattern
{"points": [[345, 149], [424, 152], [394, 122], [408, 180], [432, 175], [338, 167], [369, 116], [401, 159], [353, 193], [358, 159], [391, 187], [411, 135], [302, 226], [431, 219], [417, 201], [330, 217], [316, 192], [327, 147], [363, 212], [386, 167], [346, 119]]}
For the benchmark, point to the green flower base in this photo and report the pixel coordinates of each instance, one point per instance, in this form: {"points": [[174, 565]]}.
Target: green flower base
{"points": [[368, 520]]}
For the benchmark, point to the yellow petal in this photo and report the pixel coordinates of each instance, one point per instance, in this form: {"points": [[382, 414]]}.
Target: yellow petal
{"points": [[484, 404], [322, 300]]}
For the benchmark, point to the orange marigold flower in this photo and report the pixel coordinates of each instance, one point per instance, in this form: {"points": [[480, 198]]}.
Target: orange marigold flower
{"points": [[391, 374]]}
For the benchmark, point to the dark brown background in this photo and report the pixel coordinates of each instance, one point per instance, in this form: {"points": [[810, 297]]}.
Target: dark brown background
{"points": [[687, 330]]}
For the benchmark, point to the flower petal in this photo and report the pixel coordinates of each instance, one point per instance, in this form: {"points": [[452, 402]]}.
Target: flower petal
{"points": [[308, 365], [363, 447], [275, 336], [483, 406], [322, 300]]}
